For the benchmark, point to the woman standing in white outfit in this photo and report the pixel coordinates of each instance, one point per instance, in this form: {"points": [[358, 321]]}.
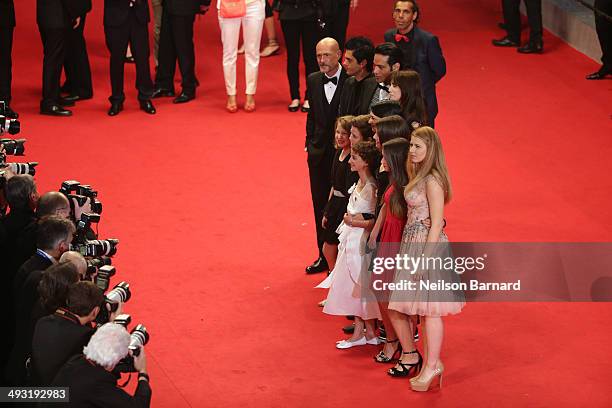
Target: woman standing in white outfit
{"points": [[252, 23]]}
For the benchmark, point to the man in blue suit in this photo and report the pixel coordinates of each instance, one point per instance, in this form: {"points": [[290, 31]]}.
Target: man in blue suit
{"points": [[422, 52]]}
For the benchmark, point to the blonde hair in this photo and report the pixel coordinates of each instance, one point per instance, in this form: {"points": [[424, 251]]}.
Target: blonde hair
{"points": [[433, 164]]}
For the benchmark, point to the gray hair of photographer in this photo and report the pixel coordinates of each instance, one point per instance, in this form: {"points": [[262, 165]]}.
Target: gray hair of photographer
{"points": [[108, 345]]}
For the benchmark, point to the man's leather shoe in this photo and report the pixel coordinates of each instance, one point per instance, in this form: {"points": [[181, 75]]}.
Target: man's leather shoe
{"points": [[505, 42], [320, 265], [601, 74], [64, 102], [163, 93], [531, 48], [9, 113], [55, 110], [147, 106], [115, 108], [75, 98], [183, 97]]}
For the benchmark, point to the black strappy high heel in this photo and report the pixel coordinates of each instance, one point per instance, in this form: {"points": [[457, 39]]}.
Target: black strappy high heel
{"points": [[407, 368], [381, 357]]}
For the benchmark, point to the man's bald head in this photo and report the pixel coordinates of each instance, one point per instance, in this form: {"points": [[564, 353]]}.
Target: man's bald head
{"points": [[328, 55], [53, 203], [77, 259]]}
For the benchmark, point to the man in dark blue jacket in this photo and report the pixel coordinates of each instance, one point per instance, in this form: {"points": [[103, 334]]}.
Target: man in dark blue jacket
{"points": [[421, 50]]}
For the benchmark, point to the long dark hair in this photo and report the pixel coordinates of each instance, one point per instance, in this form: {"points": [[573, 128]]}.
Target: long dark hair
{"points": [[392, 127], [413, 104], [395, 152]]}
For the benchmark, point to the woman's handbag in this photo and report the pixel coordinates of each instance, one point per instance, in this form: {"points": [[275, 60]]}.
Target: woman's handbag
{"points": [[232, 8]]}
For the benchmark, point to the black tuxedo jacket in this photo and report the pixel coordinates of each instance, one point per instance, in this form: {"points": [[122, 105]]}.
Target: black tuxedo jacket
{"points": [[184, 7], [321, 117], [116, 12], [93, 386], [353, 102], [7, 13], [427, 60], [60, 13], [56, 338]]}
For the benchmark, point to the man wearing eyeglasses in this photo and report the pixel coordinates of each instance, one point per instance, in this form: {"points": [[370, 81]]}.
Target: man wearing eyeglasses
{"points": [[421, 50]]}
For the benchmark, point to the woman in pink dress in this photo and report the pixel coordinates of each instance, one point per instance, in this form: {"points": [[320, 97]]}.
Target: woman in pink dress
{"points": [[426, 194], [347, 295]]}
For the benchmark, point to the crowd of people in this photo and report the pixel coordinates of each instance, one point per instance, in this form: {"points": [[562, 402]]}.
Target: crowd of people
{"points": [[379, 184], [54, 333]]}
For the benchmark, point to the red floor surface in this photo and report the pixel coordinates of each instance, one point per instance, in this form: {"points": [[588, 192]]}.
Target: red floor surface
{"points": [[215, 220]]}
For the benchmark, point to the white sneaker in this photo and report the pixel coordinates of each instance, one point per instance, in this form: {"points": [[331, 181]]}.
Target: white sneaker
{"points": [[345, 344]]}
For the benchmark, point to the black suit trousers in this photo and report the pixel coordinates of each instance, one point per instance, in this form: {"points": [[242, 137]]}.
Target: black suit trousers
{"points": [[512, 19], [76, 64], [176, 43], [319, 172], [54, 51], [6, 63], [308, 32], [336, 27], [604, 31], [136, 34]]}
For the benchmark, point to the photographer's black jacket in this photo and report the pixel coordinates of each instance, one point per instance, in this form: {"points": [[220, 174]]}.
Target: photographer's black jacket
{"points": [[93, 386], [56, 338]]}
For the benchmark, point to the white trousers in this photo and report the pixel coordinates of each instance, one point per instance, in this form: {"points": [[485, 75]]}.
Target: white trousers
{"points": [[252, 25]]}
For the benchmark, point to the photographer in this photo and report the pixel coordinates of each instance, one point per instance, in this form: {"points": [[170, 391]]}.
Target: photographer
{"points": [[51, 203], [90, 376], [7, 25], [41, 294], [63, 334]]}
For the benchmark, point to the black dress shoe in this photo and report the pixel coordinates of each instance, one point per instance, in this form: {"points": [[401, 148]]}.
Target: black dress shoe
{"points": [[320, 265], [531, 48], [147, 106], [184, 97], [64, 102], [601, 74], [505, 42], [115, 108], [9, 113], [305, 109], [55, 110], [163, 93], [75, 98], [293, 108]]}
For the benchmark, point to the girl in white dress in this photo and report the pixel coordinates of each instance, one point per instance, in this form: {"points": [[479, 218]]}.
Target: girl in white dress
{"points": [[348, 296]]}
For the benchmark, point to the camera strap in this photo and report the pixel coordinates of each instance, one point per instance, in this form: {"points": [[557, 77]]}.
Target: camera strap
{"points": [[68, 315]]}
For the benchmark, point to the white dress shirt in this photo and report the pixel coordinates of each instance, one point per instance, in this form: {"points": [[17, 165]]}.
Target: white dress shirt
{"points": [[330, 87]]}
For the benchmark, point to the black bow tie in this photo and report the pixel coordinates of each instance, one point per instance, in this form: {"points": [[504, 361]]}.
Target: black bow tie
{"points": [[383, 87], [327, 79]]}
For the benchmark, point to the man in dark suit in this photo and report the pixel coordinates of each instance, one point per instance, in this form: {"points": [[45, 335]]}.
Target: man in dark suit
{"points": [[358, 62], [56, 19], [422, 52], [7, 25], [90, 377], [512, 25], [176, 43], [603, 26], [126, 21], [388, 58], [78, 84], [59, 336], [323, 90]]}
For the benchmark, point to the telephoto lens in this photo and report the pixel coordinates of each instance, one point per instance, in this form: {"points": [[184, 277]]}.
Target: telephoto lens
{"points": [[139, 338], [23, 168], [13, 147], [98, 247], [120, 294]]}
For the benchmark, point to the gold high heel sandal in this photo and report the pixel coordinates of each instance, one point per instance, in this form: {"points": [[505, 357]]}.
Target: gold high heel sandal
{"points": [[422, 384]]}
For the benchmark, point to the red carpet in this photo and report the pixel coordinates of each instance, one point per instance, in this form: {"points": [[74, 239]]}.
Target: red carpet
{"points": [[215, 220]]}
